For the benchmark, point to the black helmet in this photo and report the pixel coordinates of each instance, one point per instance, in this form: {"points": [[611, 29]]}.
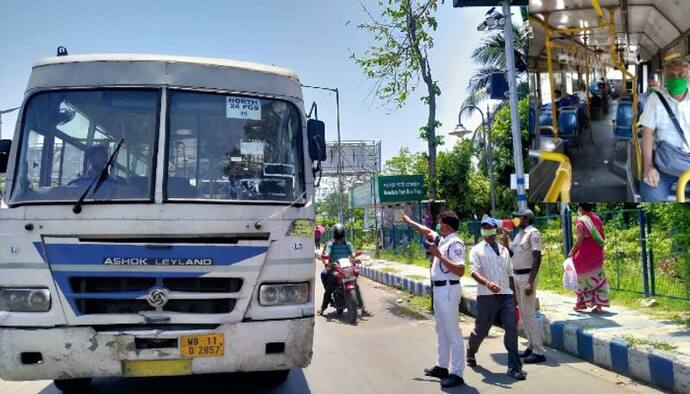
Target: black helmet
{"points": [[338, 231]]}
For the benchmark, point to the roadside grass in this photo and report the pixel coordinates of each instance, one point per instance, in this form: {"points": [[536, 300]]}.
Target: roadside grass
{"points": [[635, 342], [418, 277], [389, 270]]}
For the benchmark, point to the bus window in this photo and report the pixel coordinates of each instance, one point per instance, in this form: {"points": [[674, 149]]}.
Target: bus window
{"points": [[68, 136], [225, 147]]}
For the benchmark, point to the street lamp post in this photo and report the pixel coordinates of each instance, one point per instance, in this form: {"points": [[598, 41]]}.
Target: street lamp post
{"points": [[461, 131], [339, 165], [5, 111]]}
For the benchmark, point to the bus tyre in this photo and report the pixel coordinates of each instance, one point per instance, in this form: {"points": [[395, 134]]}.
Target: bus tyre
{"points": [[352, 307], [69, 386], [274, 378]]}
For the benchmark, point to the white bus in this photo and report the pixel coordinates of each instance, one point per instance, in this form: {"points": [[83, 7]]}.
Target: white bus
{"points": [[158, 220]]}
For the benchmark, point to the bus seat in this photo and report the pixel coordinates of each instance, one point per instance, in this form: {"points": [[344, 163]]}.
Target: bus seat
{"points": [[567, 125], [545, 118], [623, 125]]}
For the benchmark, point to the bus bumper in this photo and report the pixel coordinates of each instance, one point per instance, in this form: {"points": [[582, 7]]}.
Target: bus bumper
{"points": [[75, 352]]}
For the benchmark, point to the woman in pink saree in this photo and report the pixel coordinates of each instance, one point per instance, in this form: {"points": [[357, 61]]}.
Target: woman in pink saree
{"points": [[588, 258]]}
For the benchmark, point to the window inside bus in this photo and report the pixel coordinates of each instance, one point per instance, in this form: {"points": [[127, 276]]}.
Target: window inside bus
{"points": [[232, 147], [68, 136]]}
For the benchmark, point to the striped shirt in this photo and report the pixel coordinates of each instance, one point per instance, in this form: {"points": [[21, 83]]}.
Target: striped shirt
{"points": [[493, 267]]}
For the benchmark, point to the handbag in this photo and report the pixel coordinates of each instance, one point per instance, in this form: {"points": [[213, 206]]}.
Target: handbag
{"points": [[668, 158]]}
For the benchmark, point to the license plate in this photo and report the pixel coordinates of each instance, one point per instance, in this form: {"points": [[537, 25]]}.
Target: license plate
{"points": [[206, 345], [146, 368]]}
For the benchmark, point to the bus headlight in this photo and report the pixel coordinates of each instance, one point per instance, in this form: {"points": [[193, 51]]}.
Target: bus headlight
{"points": [[24, 300], [284, 294]]}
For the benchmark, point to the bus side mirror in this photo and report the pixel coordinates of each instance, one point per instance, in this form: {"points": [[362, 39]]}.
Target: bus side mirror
{"points": [[316, 131], [5, 146]]}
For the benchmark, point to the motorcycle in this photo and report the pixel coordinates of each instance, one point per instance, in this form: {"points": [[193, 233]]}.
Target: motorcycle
{"points": [[346, 294]]}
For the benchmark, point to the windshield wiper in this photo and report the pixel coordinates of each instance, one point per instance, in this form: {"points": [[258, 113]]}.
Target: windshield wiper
{"points": [[96, 182]]}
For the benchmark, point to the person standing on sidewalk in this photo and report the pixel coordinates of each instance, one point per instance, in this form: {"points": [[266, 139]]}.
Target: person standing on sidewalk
{"points": [[493, 271], [525, 251], [588, 258], [447, 268]]}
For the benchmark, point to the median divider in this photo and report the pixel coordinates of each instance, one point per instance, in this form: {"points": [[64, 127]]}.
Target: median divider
{"points": [[667, 370]]}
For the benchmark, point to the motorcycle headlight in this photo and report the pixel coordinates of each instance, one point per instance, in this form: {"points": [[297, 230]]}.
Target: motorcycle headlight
{"points": [[284, 294], [24, 300]]}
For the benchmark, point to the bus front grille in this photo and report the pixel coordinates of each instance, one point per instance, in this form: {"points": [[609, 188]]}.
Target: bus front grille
{"points": [[81, 285], [114, 306], [111, 293]]}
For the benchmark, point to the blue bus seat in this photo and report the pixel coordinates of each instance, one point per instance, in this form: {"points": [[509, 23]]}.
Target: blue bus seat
{"points": [[623, 126]]}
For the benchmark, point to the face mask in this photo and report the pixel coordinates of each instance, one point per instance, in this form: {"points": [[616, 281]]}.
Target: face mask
{"points": [[487, 232], [651, 90], [438, 228], [677, 86]]}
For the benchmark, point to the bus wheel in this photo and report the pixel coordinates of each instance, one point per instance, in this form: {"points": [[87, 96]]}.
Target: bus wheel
{"points": [[274, 378], [68, 386]]}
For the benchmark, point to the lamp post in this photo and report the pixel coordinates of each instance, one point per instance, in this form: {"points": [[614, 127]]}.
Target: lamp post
{"points": [[5, 111], [461, 131], [339, 165]]}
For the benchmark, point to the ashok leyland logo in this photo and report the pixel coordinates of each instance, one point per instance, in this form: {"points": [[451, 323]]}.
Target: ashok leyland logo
{"points": [[157, 297]]}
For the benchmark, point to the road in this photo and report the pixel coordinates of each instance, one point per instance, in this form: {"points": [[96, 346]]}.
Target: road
{"points": [[385, 353]]}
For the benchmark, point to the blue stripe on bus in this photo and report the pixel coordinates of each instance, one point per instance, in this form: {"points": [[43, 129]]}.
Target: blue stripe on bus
{"points": [[95, 254]]}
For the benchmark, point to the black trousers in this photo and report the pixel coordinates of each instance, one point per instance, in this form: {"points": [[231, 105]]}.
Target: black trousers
{"points": [[490, 307], [328, 284]]}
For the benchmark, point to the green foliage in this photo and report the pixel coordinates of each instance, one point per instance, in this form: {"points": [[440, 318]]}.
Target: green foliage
{"points": [[491, 58], [402, 37], [412, 254], [406, 163]]}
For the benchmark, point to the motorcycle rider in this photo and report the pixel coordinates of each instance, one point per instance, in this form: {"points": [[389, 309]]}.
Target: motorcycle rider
{"points": [[337, 248]]}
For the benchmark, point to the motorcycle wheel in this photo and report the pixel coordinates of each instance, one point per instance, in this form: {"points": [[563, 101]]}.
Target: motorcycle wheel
{"points": [[352, 307]]}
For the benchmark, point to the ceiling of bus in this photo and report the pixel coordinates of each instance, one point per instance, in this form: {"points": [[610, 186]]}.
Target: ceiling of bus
{"points": [[653, 25]]}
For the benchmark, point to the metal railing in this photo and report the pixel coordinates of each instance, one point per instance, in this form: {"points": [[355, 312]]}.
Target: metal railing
{"points": [[562, 182]]}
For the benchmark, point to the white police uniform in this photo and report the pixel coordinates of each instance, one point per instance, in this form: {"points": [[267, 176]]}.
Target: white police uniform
{"points": [[447, 294]]}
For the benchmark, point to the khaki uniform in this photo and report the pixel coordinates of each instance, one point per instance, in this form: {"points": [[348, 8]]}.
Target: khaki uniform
{"points": [[526, 242]]}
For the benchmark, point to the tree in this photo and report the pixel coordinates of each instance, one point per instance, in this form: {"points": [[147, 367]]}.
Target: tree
{"points": [[399, 59], [405, 163]]}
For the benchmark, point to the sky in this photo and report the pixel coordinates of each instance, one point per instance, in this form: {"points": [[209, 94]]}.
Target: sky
{"points": [[311, 37]]}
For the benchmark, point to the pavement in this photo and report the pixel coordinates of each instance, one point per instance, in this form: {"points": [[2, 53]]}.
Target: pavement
{"points": [[600, 339], [385, 353]]}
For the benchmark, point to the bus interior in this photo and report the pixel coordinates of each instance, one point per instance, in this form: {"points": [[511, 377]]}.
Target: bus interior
{"points": [[590, 62]]}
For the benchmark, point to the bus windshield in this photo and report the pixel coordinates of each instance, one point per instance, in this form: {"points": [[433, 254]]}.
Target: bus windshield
{"points": [[234, 148], [67, 137]]}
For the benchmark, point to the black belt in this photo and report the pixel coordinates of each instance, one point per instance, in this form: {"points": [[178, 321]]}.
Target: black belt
{"points": [[439, 283], [522, 272]]}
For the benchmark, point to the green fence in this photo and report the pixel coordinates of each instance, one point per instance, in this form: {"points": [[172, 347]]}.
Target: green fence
{"points": [[667, 265]]}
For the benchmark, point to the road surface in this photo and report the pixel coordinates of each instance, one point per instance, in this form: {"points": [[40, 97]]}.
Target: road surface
{"points": [[385, 353]]}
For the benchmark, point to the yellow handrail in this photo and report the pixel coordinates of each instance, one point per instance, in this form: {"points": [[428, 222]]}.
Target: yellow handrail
{"points": [[682, 182], [562, 181]]}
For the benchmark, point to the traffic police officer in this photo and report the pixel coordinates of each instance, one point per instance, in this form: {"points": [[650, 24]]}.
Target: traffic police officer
{"points": [[447, 268], [525, 253]]}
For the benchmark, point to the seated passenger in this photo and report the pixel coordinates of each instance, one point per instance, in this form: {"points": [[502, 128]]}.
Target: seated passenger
{"points": [[652, 86], [95, 159], [665, 148]]}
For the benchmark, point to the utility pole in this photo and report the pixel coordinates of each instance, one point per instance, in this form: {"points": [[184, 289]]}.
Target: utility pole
{"points": [[513, 101]]}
